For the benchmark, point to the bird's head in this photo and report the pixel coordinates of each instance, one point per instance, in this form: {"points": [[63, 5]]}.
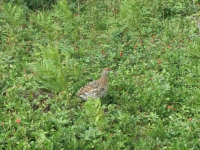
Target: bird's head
{"points": [[105, 71]]}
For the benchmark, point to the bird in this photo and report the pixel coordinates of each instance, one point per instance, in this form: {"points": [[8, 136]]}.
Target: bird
{"points": [[95, 89]]}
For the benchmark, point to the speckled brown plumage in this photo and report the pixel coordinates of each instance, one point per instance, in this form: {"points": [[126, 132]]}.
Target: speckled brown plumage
{"points": [[95, 89]]}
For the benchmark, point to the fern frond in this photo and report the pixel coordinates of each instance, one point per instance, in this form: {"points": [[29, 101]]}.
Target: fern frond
{"points": [[50, 71], [94, 112], [14, 15], [61, 11]]}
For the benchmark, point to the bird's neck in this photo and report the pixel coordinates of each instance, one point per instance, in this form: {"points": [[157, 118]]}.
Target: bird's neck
{"points": [[104, 77]]}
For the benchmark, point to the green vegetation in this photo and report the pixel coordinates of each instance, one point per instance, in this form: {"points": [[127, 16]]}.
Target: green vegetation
{"points": [[49, 49]]}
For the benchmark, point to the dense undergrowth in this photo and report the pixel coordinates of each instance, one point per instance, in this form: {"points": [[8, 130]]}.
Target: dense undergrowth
{"points": [[47, 54]]}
